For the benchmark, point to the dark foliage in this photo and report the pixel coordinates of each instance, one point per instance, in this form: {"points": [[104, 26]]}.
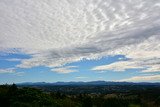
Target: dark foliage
{"points": [[13, 96]]}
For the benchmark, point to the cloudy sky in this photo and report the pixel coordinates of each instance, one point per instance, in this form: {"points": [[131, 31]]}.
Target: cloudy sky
{"points": [[79, 40]]}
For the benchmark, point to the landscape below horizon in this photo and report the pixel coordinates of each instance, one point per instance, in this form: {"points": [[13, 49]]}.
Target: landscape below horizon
{"points": [[79, 40], [83, 94]]}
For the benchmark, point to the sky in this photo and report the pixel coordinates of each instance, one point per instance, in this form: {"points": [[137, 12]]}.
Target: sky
{"points": [[79, 40]]}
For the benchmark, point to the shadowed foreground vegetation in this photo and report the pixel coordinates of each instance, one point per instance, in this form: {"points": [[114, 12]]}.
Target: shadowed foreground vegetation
{"points": [[11, 96]]}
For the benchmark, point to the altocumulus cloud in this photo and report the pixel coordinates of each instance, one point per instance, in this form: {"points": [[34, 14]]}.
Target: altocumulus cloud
{"points": [[57, 32]]}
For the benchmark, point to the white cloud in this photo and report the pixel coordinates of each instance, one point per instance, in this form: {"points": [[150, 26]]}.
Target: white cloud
{"points": [[57, 32], [144, 55], [14, 59], [11, 71], [81, 77], [143, 78], [64, 70], [7, 70], [118, 66], [152, 68]]}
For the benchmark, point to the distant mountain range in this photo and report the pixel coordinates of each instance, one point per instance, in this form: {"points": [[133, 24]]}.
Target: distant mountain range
{"points": [[89, 83]]}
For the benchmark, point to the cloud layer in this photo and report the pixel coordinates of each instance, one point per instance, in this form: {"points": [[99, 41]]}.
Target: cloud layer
{"points": [[143, 78], [7, 70], [64, 70], [57, 32]]}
